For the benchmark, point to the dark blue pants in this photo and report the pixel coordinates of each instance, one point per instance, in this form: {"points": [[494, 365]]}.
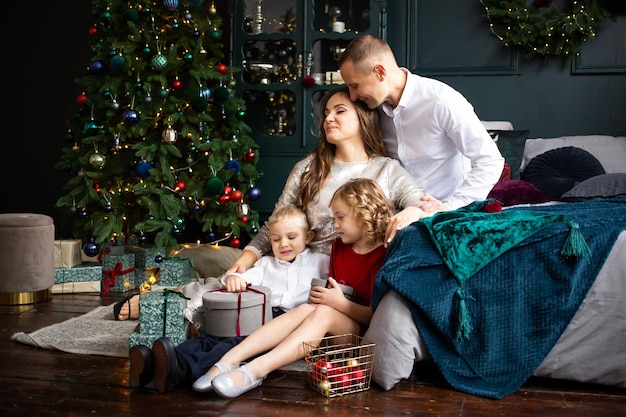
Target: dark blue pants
{"points": [[201, 352]]}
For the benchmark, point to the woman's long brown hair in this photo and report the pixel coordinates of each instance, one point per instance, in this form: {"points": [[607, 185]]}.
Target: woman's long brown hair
{"points": [[324, 153]]}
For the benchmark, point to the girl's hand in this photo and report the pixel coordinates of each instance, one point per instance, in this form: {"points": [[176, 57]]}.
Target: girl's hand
{"points": [[332, 297]]}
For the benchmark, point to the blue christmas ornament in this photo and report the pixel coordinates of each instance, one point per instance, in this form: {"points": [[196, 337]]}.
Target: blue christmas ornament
{"points": [[143, 169], [254, 194], [158, 259], [91, 249], [232, 164], [96, 66], [131, 117]]}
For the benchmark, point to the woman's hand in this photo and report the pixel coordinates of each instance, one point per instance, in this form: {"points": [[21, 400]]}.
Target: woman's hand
{"points": [[432, 205], [401, 220]]}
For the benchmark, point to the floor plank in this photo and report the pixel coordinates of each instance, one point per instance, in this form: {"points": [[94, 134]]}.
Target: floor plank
{"points": [[38, 382]]}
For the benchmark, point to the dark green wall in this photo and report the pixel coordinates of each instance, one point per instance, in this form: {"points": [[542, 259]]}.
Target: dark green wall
{"points": [[450, 40], [47, 47]]}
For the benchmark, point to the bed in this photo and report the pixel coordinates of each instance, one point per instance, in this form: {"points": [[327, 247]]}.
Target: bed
{"points": [[528, 309]]}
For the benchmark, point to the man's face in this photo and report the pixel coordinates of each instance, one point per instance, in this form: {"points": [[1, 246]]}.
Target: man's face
{"points": [[367, 87]]}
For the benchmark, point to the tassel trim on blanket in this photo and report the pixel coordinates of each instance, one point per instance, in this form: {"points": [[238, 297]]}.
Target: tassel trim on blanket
{"points": [[472, 236]]}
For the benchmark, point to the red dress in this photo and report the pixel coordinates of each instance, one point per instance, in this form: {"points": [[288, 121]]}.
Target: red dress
{"points": [[355, 270]]}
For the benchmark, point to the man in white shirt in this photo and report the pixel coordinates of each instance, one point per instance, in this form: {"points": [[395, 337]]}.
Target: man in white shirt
{"points": [[427, 125]]}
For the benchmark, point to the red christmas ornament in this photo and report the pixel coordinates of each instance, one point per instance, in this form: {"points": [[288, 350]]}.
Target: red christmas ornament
{"points": [[82, 99], [308, 81], [340, 381], [177, 84], [228, 189], [179, 186], [224, 199], [248, 157], [93, 30], [235, 243], [358, 377], [236, 195], [245, 219], [222, 68]]}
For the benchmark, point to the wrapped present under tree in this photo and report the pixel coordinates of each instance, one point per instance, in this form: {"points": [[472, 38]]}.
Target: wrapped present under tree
{"points": [[118, 273]]}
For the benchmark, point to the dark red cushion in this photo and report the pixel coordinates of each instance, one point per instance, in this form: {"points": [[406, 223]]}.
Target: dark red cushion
{"points": [[512, 192]]}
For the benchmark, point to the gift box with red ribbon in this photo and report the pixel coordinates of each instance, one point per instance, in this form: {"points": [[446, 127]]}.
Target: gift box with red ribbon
{"points": [[118, 273], [228, 314]]}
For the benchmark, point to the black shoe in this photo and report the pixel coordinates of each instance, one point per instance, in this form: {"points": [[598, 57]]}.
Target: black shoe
{"points": [[169, 370], [141, 366]]}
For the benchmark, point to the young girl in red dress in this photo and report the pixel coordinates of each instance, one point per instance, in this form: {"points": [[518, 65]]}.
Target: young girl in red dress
{"points": [[361, 212]]}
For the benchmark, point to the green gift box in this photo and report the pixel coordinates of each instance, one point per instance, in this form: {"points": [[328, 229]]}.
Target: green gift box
{"points": [[143, 338], [145, 255], [175, 272], [118, 273], [162, 312], [87, 271]]}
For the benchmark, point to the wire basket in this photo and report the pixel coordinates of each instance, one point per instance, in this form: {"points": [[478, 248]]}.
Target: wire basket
{"points": [[339, 365]]}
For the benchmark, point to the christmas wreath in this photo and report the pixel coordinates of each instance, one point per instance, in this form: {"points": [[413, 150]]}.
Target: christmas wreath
{"points": [[542, 29]]}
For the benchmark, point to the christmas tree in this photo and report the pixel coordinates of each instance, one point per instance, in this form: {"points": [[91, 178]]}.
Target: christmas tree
{"points": [[157, 145]]}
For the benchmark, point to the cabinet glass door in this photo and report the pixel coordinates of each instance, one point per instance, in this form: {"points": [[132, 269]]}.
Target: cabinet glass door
{"points": [[288, 52]]}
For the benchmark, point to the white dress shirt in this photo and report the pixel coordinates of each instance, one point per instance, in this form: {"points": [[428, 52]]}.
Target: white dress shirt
{"points": [[436, 135]]}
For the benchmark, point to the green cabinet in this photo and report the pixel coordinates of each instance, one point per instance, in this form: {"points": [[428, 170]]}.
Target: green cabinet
{"points": [[288, 53]]}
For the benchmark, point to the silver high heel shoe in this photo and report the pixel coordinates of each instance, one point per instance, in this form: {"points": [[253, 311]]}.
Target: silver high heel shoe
{"points": [[225, 387], [204, 383]]}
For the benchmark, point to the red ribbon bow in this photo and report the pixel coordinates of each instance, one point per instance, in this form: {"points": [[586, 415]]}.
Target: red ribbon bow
{"points": [[108, 279]]}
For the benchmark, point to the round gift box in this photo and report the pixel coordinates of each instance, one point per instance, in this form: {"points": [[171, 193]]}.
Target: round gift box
{"points": [[225, 312]]}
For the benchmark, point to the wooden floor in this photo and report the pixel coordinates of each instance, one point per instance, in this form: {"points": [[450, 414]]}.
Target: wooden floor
{"points": [[38, 382]]}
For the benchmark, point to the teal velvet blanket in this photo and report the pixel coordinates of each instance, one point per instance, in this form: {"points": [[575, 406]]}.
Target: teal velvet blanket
{"points": [[520, 299]]}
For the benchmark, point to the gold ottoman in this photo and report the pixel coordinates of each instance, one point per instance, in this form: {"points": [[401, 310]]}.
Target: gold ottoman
{"points": [[26, 258]]}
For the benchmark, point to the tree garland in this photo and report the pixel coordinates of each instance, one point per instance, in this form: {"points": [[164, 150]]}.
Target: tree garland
{"points": [[541, 29]]}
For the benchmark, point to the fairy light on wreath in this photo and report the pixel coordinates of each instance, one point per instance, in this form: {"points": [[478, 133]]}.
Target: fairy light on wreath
{"points": [[541, 29]]}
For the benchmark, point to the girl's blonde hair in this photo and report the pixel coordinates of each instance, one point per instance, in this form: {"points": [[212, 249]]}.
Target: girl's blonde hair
{"points": [[371, 207], [291, 213], [324, 153]]}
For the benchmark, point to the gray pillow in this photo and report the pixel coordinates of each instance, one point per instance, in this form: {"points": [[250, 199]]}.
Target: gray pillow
{"points": [[599, 186], [398, 343]]}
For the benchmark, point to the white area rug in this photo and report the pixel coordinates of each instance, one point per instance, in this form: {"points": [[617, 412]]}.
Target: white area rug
{"points": [[93, 333]]}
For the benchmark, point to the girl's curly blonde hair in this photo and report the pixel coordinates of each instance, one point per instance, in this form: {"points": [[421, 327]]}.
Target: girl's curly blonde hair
{"points": [[371, 207]]}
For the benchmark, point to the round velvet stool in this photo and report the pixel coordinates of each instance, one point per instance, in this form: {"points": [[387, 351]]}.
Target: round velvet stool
{"points": [[26, 258]]}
